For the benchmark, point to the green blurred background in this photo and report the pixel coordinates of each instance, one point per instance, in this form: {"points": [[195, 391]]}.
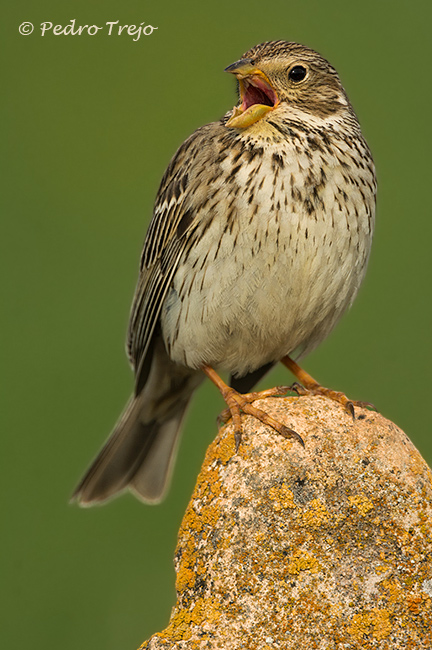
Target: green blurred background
{"points": [[89, 125]]}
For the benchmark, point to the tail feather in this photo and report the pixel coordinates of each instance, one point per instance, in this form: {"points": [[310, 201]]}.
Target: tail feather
{"points": [[137, 455], [141, 450], [152, 477]]}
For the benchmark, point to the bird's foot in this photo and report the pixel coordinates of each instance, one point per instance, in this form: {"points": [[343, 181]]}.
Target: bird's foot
{"points": [[238, 403], [307, 385], [247, 398]]}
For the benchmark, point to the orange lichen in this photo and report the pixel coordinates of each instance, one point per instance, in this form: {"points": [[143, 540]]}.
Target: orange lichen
{"points": [[395, 592], [185, 578], [375, 623], [221, 452], [204, 613], [362, 503], [414, 603], [303, 561], [281, 497], [316, 514]]}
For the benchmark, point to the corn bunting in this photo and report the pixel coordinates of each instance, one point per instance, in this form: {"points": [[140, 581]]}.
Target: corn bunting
{"points": [[259, 241]]}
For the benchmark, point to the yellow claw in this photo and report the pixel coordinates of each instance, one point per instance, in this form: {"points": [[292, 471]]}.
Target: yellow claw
{"points": [[241, 119]]}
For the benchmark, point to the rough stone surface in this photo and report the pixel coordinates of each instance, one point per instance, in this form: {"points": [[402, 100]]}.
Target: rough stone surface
{"points": [[321, 548]]}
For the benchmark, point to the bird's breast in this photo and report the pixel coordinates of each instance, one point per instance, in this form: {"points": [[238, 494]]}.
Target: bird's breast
{"points": [[279, 254]]}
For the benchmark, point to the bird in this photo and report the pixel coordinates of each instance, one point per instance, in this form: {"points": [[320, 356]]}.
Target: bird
{"points": [[259, 240]]}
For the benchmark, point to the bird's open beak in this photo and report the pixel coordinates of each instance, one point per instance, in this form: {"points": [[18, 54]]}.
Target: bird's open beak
{"points": [[257, 95]]}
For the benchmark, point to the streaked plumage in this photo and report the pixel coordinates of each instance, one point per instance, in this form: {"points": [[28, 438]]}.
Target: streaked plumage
{"points": [[259, 241]]}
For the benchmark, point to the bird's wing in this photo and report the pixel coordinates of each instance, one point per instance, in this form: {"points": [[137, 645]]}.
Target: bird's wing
{"points": [[168, 235]]}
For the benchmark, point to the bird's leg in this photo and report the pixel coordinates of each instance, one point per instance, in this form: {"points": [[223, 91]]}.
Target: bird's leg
{"points": [[308, 385], [238, 402]]}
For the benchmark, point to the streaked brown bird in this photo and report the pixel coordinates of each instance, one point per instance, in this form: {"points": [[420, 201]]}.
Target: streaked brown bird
{"points": [[259, 241]]}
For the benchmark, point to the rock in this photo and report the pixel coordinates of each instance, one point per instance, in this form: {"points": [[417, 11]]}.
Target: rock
{"points": [[324, 547]]}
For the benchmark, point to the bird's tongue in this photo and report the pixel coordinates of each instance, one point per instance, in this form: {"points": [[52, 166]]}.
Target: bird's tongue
{"points": [[258, 98], [256, 91]]}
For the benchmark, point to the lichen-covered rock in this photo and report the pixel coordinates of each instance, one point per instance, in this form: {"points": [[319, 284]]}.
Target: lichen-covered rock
{"points": [[325, 547]]}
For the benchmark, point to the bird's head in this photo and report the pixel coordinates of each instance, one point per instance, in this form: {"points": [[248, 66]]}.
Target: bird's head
{"points": [[278, 74]]}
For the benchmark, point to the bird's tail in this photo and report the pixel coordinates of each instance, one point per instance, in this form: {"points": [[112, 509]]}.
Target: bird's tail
{"points": [[141, 450]]}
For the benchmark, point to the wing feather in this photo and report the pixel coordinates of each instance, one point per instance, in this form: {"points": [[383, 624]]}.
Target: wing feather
{"points": [[147, 304], [168, 236]]}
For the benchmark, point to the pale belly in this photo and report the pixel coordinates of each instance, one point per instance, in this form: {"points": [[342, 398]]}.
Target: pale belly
{"points": [[274, 288]]}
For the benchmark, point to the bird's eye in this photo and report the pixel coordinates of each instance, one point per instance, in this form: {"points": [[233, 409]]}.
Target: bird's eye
{"points": [[297, 73]]}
